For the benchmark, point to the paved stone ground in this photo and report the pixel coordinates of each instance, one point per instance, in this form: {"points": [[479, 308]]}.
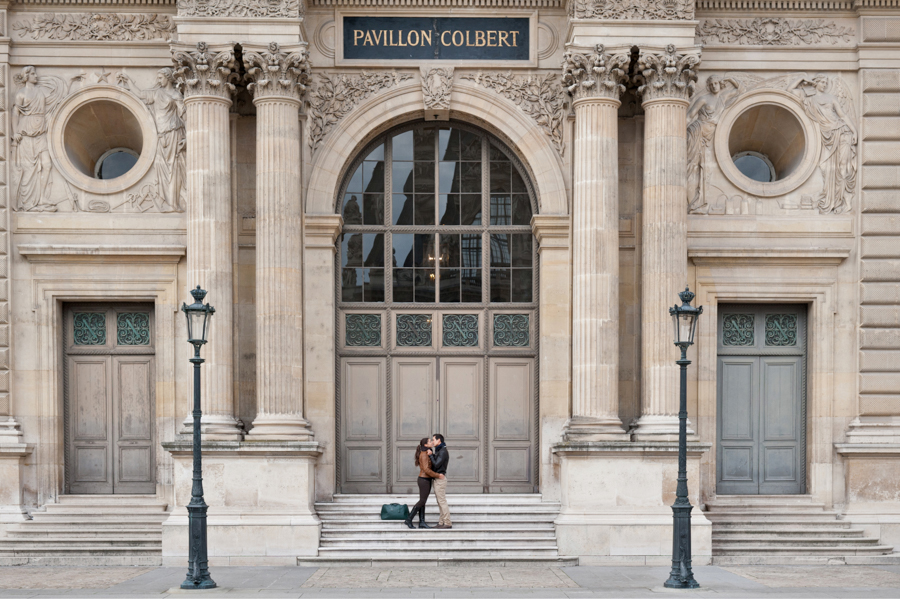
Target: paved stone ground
{"points": [[875, 582]]}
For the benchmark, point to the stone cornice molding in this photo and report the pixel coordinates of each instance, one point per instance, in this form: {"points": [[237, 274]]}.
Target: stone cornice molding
{"points": [[667, 74], [551, 230], [91, 253], [276, 72], [244, 9], [322, 230], [597, 74], [632, 10], [204, 71]]}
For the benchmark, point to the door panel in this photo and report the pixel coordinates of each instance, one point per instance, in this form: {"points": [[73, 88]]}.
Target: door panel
{"points": [[363, 424], [760, 399], [462, 421], [90, 415], [132, 389], [414, 411], [511, 411]]}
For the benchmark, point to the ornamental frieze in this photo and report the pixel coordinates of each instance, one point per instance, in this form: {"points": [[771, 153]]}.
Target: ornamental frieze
{"points": [[116, 27], [241, 8], [773, 31], [645, 10]]}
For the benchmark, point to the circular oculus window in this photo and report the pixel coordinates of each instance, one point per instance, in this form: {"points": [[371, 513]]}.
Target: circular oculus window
{"points": [[103, 139], [765, 145]]}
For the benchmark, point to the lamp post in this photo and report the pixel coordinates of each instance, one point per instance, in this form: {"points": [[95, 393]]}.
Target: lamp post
{"points": [[684, 317], [198, 315]]}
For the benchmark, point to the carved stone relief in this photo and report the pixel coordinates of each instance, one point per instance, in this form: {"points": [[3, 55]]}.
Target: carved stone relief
{"points": [[666, 74], [272, 72], [826, 103], [241, 8], [97, 27], [37, 183], [437, 83], [773, 31], [595, 74], [336, 94], [541, 97], [668, 10]]}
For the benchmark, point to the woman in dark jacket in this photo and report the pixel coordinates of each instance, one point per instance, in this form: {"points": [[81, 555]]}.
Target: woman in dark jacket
{"points": [[426, 474]]}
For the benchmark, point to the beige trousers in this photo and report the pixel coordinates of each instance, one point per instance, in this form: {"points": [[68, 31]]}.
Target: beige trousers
{"points": [[440, 494]]}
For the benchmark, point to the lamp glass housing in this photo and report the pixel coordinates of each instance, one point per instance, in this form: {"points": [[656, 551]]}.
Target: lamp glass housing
{"points": [[684, 319], [198, 316]]}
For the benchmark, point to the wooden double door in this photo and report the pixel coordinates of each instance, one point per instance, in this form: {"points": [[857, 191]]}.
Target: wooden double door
{"points": [[110, 415], [489, 429], [761, 400]]}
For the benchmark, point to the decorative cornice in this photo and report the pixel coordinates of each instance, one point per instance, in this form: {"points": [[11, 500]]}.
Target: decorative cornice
{"points": [[272, 72], [596, 74], [666, 74], [204, 71], [772, 31], [336, 94], [492, 4], [101, 2], [634, 10], [247, 9], [538, 96], [105, 26], [779, 5]]}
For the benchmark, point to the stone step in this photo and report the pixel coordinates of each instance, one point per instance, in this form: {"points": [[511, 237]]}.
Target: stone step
{"points": [[787, 533], [798, 549], [476, 525], [771, 516], [73, 549], [761, 500], [16, 544], [465, 508], [106, 510], [827, 524], [85, 499], [805, 541], [99, 518], [444, 538], [452, 498], [543, 516], [25, 532], [892, 559], [494, 561], [82, 561], [429, 550], [400, 528]]}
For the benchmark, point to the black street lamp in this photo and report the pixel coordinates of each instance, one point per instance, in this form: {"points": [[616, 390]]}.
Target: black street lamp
{"points": [[685, 319], [198, 315]]}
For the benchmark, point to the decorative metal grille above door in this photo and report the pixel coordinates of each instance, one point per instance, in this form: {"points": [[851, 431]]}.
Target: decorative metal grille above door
{"points": [[761, 400], [437, 310]]}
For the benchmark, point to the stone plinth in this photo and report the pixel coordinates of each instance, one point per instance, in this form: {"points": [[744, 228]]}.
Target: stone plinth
{"points": [[260, 496], [872, 496], [616, 502], [12, 456]]}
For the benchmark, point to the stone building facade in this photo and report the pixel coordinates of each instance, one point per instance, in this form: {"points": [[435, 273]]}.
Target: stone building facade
{"points": [[479, 234]]}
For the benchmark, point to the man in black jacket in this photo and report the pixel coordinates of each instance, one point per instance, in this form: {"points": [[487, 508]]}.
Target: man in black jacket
{"points": [[440, 457]]}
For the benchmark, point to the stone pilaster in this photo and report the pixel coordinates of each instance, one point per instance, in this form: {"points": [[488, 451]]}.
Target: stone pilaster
{"points": [[595, 80], [278, 83], [666, 84], [204, 76]]}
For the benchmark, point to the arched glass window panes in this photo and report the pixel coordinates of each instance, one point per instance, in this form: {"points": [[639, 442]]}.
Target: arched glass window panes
{"points": [[437, 213]]}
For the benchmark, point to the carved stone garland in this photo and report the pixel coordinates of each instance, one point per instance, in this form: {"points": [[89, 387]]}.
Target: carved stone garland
{"points": [[114, 27], [241, 8], [203, 72], [539, 96], [276, 73], [667, 74], [595, 75], [773, 31]]}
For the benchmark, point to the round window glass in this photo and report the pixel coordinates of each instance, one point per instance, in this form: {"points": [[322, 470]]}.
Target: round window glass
{"points": [[755, 166], [115, 163]]}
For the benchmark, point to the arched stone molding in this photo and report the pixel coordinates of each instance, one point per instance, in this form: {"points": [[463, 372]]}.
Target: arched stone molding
{"points": [[469, 103]]}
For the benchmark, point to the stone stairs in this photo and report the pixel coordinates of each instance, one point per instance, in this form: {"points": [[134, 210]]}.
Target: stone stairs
{"points": [[500, 529], [89, 530], [787, 529]]}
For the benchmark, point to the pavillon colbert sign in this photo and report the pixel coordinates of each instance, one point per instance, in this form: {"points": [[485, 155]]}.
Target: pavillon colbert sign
{"points": [[436, 38]]}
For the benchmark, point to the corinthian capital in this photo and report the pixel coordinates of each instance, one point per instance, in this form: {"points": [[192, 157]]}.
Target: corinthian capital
{"points": [[203, 71], [275, 72], [596, 74], [666, 74]]}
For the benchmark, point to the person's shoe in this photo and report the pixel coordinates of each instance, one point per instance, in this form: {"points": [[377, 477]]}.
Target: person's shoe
{"points": [[409, 520], [445, 526], [422, 523]]}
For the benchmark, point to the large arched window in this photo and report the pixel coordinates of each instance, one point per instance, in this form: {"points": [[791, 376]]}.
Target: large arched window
{"points": [[437, 312], [437, 213]]}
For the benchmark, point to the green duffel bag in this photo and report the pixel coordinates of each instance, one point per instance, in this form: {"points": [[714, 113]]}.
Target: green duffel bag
{"points": [[394, 511]]}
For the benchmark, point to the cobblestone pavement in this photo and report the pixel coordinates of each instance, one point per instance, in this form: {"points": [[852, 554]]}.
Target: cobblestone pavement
{"points": [[788, 582]]}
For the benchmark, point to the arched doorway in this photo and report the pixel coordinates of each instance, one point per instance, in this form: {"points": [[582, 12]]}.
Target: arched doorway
{"points": [[437, 310]]}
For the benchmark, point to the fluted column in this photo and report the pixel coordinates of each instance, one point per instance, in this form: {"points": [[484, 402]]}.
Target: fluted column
{"points": [[595, 81], [667, 82], [204, 77], [278, 84]]}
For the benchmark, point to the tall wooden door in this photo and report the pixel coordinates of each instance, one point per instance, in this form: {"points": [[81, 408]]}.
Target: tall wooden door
{"points": [[109, 400], [761, 400]]}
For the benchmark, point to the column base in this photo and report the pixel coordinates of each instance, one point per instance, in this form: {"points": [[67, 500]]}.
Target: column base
{"points": [[653, 427], [12, 457], [215, 428], [269, 427], [594, 429]]}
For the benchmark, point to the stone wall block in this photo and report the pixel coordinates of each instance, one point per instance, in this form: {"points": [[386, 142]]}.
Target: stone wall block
{"points": [[880, 382], [880, 247], [880, 293], [880, 338], [881, 28], [881, 200], [879, 361], [881, 128], [882, 152], [880, 270], [881, 104], [880, 316], [879, 405], [880, 177], [880, 224]]}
